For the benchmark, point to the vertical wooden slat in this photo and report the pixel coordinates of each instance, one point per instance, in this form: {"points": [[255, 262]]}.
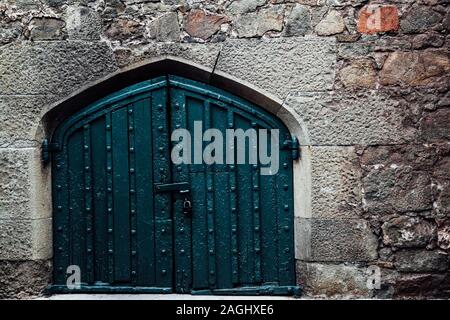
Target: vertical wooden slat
{"points": [[286, 272], [88, 203], [132, 181], [77, 209], [144, 193], [245, 207], [269, 226], [162, 201], [182, 250], [210, 207], [61, 217], [195, 112], [256, 213], [222, 212], [109, 196], [233, 207], [121, 196], [99, 199]]}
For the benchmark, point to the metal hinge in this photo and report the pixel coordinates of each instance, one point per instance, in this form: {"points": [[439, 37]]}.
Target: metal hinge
{"points": [[292, 145], [47, 148]]}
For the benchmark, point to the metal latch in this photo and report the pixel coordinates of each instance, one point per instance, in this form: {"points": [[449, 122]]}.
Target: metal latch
{"points": [[181, 187], [292, 145], [47, 148]]}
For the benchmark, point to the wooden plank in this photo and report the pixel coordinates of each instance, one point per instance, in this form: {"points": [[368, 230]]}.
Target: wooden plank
{"points": [[162, 201], [245, 212], [121, 231], [233, 205], [77, 212], [222, 211], [61, 216], [269, 223], [99, 199], [88, 203], [109, 196], [182, 250], [132, 191], [144, 194], [286, 264]]}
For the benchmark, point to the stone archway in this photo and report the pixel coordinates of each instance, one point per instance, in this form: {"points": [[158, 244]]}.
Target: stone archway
{"points": [[57, 112]]}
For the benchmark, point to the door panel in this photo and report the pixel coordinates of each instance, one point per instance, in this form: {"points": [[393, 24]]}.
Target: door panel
{"points": [[126, 234]]}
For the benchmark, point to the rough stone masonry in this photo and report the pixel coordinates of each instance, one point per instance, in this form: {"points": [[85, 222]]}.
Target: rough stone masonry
{"points": [[368, 79]]}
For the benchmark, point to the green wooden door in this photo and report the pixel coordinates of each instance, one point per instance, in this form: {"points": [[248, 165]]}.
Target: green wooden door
{"points": [[119, 199]]}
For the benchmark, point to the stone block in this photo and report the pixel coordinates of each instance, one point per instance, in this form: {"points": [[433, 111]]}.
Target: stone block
{"points": [[347, 119], [333, 280], [335, 182], [298, 22], [83, 23], [265, 63], [419, 68], [435, 126], [378, 18], [165, 28], [24, 185], [332, 23], [244, 6], [391, 189], [46, 29], [16, 242], [24, 279], [53, 67], [409, 232], [19, 118], [202, 54], [256, 24], [420, 261], [25, 239], [359, 74], [419, 19], [200, 24], [336, 240], [421, 285]]}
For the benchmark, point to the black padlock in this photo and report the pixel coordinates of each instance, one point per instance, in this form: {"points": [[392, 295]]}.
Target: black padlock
{"points": [[187, 207]]}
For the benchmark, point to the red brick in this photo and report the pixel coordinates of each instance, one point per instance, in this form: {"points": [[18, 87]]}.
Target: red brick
{"points": [[378, 18]]}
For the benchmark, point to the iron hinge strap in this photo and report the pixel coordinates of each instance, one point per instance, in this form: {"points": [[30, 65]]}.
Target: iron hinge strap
{"points": [[47, 148], [292, 145]]}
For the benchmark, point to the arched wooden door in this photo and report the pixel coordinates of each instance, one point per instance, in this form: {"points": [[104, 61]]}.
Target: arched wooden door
{"points": [[118, 198]]}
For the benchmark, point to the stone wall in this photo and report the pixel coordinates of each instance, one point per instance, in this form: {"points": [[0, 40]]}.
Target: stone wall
{"points": [[369, 82]]}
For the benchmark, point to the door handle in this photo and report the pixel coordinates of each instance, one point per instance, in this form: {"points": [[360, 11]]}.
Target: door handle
{"points": [[181, 187]]}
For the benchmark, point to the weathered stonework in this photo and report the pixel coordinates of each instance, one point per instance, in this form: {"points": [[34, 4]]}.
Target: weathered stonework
{"points": [[265, 63], [365, 91]]}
